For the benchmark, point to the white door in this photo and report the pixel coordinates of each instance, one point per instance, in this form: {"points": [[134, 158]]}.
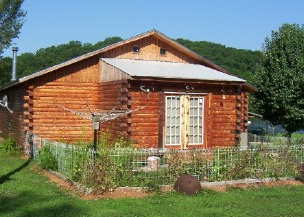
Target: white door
{"points": [[184, 120]]}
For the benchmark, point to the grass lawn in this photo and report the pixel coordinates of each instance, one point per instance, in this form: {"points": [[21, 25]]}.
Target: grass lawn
{"points": [[24, 193]]}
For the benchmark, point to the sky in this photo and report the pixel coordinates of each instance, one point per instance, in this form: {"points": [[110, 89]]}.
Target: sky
{"points": [[235, 23]]}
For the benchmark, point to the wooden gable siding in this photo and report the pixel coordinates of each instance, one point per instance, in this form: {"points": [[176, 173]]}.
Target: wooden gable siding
{"points": [[149, 50], [86, 71], [111, 73]]}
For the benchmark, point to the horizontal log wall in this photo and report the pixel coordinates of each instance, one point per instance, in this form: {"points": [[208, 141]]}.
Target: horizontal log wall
{"points": [[223, 126], [52, 121], [224, 115], [145, 124], [12, 124]]}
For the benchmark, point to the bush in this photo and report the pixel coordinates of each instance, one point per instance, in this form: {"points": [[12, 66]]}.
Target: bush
{"points": [[99, 173], [47, 159], [78, 164], [191, 163], [262, 163], [9, 145]]}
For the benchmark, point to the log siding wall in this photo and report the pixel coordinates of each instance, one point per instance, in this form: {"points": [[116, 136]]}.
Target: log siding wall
{"points": [[12, 125], [53, 122], [145, 124]]}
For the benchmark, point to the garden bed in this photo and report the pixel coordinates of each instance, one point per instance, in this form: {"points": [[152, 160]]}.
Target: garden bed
{"points": [[86, 193], [139, 192], [111, 168]]}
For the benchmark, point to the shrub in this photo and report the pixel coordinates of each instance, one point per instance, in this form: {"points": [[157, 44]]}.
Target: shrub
{"points": [[99, 173], [262, 163], [47, 159], [193, 163]]}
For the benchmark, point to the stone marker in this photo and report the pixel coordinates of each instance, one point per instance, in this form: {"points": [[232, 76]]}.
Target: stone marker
{"points": [[153, 163], [187, 184]]}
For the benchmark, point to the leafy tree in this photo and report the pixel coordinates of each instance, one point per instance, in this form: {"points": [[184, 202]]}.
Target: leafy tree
{"points": [[11, 21], [5, 67], [280, 82]]}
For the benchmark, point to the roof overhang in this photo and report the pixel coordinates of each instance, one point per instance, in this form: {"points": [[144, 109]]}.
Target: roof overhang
{"points": [[244, 86]]}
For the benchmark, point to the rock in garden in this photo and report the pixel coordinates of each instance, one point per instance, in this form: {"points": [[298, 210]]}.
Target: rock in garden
{"points": [[187, 184]]}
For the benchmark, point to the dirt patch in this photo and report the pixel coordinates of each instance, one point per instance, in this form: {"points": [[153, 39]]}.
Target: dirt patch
{"points": [[217, 188], [60, 182], [117, 193], [224, 188]]}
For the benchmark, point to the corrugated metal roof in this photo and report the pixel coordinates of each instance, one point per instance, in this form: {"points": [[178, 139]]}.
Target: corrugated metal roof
{"points": [[159, 69]]}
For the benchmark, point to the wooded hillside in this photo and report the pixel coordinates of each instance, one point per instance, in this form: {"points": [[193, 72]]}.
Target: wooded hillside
{"points": [[237, 61]]}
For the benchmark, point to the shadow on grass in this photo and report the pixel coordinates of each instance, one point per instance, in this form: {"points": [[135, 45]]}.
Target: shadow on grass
{"points": [[6, 177], [28, 204]]}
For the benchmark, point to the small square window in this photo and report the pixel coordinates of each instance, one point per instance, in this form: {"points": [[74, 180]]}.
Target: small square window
{"points": [[162, 51], [136, 49]]}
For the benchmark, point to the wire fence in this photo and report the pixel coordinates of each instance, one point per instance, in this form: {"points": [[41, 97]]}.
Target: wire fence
{"points": [[112, 167], [255, 140], [269, 140]]}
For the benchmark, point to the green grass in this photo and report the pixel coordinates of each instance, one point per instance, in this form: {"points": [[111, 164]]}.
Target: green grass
{"points": [[24, 193]]}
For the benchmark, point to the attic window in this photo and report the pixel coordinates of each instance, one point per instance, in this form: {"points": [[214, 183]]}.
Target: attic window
{"points": [[136, 49], [162, 51]]}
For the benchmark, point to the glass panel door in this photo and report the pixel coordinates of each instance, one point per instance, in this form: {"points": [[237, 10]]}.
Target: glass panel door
{"points": [[195, 134], [184, 120], [173, 120]]}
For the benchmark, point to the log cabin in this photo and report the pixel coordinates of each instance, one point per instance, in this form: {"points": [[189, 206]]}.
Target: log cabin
{"points": [[180, 99]]}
